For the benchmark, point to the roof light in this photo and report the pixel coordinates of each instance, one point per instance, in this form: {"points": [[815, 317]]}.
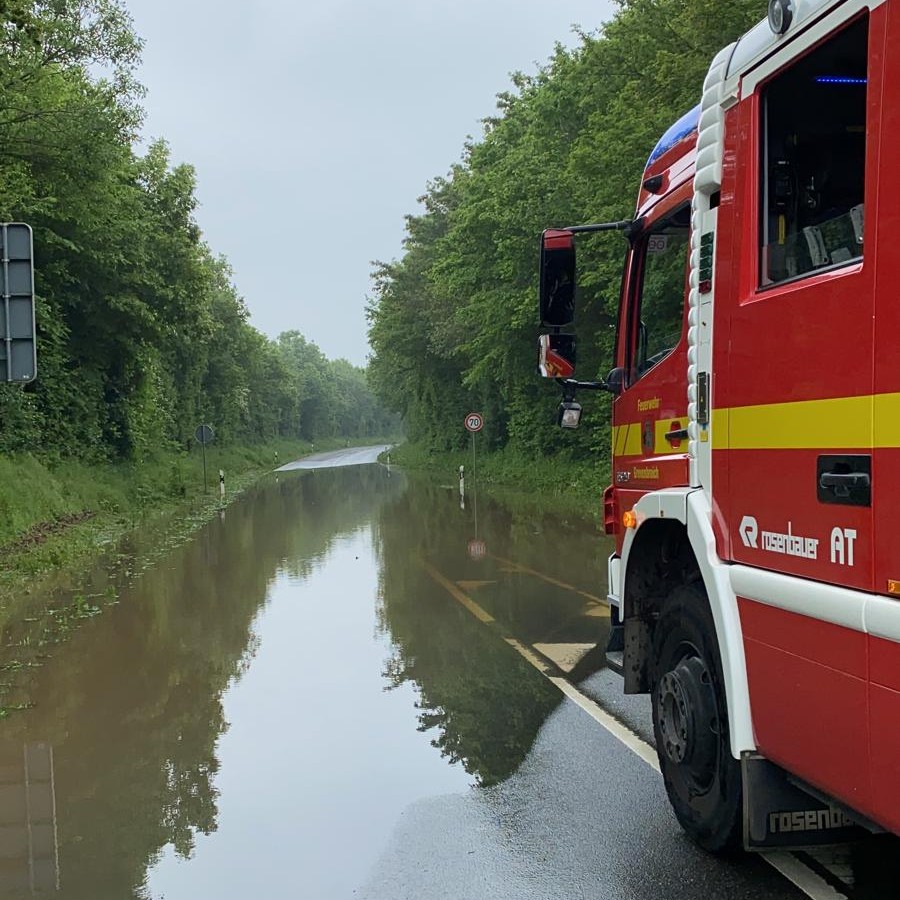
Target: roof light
{"points": [[781, 13]]}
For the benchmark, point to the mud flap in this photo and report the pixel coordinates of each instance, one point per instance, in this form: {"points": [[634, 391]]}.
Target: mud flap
{"points": [[779, 814]]}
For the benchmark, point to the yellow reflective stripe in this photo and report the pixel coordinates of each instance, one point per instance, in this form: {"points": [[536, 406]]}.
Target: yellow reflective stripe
{"points": [[719, 429], [633, 440], [865, 422], [627, 440], [661, 444], [811, 424], [887, 420]]}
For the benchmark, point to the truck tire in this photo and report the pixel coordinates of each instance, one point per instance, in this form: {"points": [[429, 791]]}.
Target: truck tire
{"points": [[690, 721]]}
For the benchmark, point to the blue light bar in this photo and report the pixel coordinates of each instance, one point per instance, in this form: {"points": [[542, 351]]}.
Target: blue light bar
{"points": [[840, 79], [683, 128]]}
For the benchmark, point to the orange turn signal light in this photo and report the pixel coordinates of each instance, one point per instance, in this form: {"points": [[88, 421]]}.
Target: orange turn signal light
{"points": [[894, 587], [629, 519]]}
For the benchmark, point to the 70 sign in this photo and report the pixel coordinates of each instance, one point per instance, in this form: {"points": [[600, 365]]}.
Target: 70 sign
{"points": [[474, 422]]}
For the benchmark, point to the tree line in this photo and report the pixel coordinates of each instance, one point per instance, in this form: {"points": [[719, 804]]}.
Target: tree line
{"points": [[141, 332], [453, 323]]}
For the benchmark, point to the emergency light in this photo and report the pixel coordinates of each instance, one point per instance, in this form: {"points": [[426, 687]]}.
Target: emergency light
{"points": [[781, 13]]}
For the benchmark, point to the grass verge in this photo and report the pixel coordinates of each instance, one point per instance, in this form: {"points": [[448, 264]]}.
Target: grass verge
{"points": [[559, 483], [58, 517]]}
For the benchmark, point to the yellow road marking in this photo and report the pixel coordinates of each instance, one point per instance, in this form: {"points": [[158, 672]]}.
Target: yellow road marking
{"points": [[788, 865], [593, 611], [549, 670], [473, 585], [564, 655], [516, 567], [457, 594]]}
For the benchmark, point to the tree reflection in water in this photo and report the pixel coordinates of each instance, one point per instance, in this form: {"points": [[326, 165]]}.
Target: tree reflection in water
{"points": [[485, 703], [131, 704]]}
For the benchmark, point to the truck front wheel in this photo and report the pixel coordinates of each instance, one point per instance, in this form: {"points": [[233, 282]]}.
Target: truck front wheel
{"points": [[690, 721]]}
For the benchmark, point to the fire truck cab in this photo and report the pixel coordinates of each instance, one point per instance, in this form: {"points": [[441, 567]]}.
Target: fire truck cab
{"points": [[756, 432]]}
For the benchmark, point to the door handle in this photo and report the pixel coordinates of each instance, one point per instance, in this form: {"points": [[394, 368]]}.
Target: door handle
{"points": [[679, 434], [845, 480]]}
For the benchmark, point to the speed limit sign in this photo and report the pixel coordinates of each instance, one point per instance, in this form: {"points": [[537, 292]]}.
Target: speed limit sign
{"points": [[474, 422]]}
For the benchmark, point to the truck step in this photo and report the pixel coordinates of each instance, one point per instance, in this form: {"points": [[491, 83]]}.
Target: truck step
{"points": [[615, 660]]}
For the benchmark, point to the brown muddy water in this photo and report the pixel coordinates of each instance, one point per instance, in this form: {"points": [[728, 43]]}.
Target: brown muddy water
{"points": [[251, 713]]}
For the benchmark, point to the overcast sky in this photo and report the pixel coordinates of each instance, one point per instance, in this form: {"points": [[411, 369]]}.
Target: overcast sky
{"points": [[314, 127]]}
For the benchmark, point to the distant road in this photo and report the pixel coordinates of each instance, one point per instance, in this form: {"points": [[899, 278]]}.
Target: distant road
{"points": [[335, 459]]}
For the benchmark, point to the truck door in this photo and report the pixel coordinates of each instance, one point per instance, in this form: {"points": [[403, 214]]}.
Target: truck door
{"points": [[793, 385], [650, 415], [798, 390], [882, 621]]}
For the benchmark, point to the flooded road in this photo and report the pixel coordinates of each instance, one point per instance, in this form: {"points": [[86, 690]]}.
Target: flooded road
{"points": [[338, 689]]}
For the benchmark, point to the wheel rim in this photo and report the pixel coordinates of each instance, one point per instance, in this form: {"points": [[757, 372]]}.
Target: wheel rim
{"points": [[689, 721]]}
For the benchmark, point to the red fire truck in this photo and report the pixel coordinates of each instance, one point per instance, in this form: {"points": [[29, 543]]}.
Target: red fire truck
{"points": [[756, 432]]}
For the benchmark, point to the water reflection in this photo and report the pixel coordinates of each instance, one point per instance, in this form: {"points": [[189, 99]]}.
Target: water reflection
{"points": [[132, 702], [266, 619], [29, 862], [485, 702]]}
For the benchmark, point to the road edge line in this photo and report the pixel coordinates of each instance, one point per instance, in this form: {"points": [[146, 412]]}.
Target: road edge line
{"points": [[788, 866]]}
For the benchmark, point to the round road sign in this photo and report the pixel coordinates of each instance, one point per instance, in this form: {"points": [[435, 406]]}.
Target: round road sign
{"points": [[474, 422], [204, 434]]}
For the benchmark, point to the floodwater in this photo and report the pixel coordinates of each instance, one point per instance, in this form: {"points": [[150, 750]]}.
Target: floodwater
{"points": [[252, 713]]}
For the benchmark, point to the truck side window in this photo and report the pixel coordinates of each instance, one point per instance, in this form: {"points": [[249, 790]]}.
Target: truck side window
{"points": [[661, 297], [813, 159]]}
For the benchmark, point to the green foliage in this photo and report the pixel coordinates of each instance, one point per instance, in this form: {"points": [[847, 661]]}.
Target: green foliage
{"points": [[453, 324], [566, 484], [141, 333]]}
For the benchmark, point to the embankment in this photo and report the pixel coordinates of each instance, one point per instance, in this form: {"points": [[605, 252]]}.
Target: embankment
{"points": [[59, 516]]}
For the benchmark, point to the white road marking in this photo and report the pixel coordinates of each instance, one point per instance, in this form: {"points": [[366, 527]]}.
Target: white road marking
{"points": [[794, 870], [620, 732], [801, 876]]}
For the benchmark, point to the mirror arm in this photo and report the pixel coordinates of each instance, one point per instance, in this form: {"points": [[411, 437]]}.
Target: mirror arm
{"points": [[624, 225], [570, 386]]}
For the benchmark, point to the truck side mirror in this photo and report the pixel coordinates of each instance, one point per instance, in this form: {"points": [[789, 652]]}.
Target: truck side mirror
{"points": [[557, 293], [557, 359], [615, 381]]}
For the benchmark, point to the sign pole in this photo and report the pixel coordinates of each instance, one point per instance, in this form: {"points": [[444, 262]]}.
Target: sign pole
{"points": [[474, 422], [204, 434], [474, 486]]}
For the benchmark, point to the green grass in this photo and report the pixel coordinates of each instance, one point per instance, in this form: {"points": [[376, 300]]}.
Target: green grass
{"points": [[58, 517], [559, 483]]}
